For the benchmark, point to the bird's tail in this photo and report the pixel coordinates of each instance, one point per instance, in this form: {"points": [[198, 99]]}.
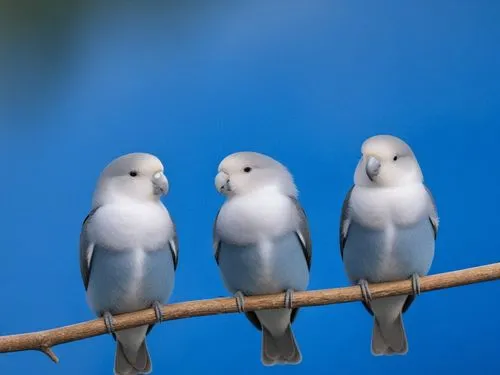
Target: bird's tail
{"points": [[280, 350], [389, 338], [132, 362]]}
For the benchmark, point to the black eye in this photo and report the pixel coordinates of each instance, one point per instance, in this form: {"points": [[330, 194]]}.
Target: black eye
{"points": [[133, 173], [395, 158], [247, 169]]}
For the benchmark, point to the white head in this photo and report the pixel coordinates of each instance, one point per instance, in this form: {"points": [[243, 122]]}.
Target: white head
{"points": [[387, 161], [245, 172], [135, 176]]}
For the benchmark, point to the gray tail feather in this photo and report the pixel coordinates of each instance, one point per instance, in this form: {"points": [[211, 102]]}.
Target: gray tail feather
{"points": [[389, 338], [280, 350], [127, 363]]}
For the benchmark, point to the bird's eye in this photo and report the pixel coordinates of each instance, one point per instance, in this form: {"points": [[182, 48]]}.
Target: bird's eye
{"points": [[247, 169], [133, 173], [395, 158]]}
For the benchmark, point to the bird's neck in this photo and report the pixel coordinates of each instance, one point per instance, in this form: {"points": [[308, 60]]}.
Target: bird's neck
{"points": [[102, 197], [260, 191]]}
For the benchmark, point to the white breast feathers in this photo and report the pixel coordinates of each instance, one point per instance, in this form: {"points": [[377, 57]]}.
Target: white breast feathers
{"points": [[131, 226], [379, 207], [259, 216]]}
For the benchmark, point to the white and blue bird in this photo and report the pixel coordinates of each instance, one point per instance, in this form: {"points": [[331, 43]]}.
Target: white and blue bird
{"points": [[129, 252], [262, 245], [388, 228]]}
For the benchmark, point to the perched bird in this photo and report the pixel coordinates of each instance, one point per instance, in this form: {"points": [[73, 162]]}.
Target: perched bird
{"points": [[129, 252], [262, 245], [388, 229]]}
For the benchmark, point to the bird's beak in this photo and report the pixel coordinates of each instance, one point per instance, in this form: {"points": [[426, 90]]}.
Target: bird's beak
{"points": [[372, 167], [222, 182], [160, 183]]}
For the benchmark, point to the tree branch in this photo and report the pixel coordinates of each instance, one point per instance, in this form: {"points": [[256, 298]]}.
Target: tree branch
{"points": [[44, 340]]}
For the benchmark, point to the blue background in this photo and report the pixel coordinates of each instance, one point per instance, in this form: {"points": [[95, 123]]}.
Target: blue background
{"points": [[305, 82]]}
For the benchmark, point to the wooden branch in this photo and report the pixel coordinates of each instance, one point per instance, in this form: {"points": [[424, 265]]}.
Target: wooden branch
{"points": [[44, 340]]}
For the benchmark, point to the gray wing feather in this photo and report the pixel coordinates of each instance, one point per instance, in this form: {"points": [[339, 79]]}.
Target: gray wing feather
{"points": [[86, 249], [344, 222], [434, 216], [216, 239], [303, 232], [304, 236], [174, 247]]}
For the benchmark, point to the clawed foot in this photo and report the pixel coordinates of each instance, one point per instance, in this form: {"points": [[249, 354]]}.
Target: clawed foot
{"points": [[289, 299], [415, 284], [109, 321], [365, 291], [157, 306], [240, 301]]}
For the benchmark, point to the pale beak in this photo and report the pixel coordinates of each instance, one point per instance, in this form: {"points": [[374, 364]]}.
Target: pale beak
{"points": [[372, 167], [222, 182], [160, 183]]}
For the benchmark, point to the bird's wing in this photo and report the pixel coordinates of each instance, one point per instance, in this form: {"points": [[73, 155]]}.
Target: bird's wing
{"points": [[345, 221], [86, 249], [433, 217], [173, 244], [216, 240], [303, 233], [304, 236]]}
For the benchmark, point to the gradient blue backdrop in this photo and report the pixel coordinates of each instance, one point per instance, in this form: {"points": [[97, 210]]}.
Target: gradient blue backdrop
{"points": [[303, 82]]}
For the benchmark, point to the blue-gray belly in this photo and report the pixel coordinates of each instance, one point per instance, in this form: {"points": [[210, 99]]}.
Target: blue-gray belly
{"points": [[119, 284], [262, 269], [374, 256]]}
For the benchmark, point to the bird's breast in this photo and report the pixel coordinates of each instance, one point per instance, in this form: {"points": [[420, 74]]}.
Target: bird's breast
{"points": [[390, 254], [264, 267], [256, 217], [379, 208], [129, 280], [125, 227]]}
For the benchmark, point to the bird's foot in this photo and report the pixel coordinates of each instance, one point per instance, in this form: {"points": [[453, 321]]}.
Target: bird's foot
{"points": [[415, 284], [109, 321], [157, 307], [240, 301], [289, 299], [365, 291]]}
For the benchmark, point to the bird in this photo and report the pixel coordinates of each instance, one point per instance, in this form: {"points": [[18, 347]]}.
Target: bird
{"points": [[262, 245], [129, 252], [388, 228]]}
